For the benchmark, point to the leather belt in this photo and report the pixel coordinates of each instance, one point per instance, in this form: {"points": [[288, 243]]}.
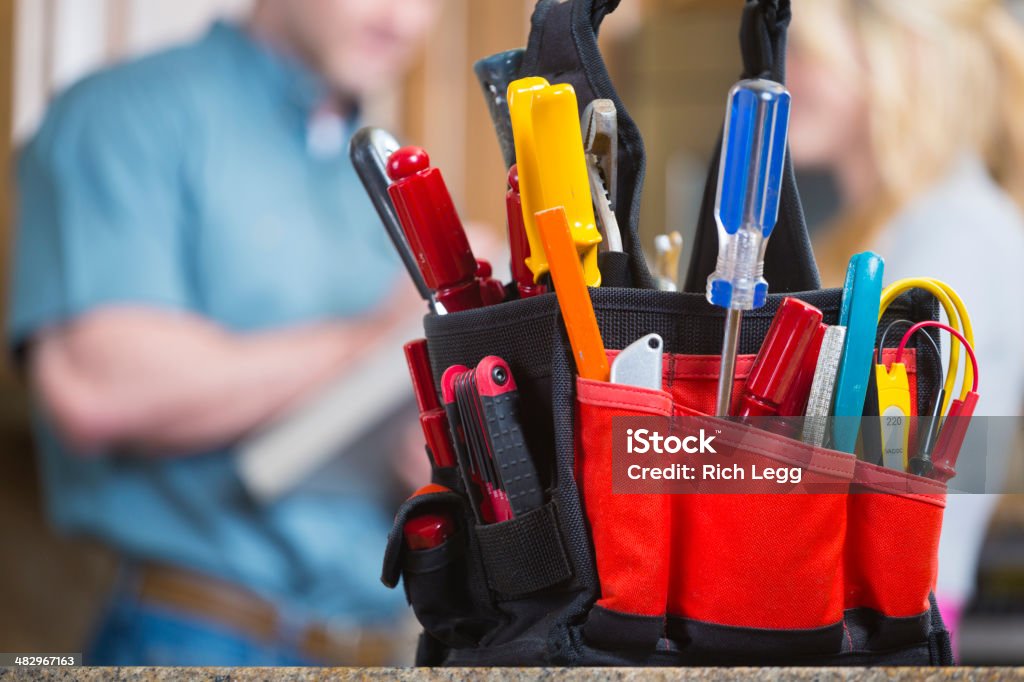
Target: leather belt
{"points": [[239, 609]]}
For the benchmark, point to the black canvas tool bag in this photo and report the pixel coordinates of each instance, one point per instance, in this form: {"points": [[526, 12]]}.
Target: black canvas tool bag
{"points": [[593, 578]]}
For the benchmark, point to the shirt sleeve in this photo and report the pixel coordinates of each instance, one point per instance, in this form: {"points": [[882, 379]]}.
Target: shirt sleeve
{"points": [[100, 209]]}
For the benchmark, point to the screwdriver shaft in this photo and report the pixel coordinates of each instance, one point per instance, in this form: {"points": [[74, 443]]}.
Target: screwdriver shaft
{"points": [[746, 208], [730, 341]]}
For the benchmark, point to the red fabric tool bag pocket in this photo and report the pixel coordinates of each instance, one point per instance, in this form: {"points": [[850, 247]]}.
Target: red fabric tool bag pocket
{"points": [[766, 562], [757, 570], [631, 533], [891, 558]]}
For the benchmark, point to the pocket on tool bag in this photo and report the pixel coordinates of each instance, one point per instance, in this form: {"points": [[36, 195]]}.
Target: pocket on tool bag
{"points": [[891, 559], [761, 573], [524, 555], [692, 380], [443, 584], [631, 533], [755, 572]]}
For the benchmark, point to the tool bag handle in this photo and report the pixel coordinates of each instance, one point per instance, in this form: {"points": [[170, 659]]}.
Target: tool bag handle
{"points": [[563, 48], [789, 264]]}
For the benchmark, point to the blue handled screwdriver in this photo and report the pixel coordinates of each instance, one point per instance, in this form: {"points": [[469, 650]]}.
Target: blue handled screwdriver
{"points": [[746, 208]]}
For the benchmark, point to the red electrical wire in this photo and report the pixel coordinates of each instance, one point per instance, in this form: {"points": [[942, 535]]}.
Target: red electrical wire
{"points": [[931, 323]]}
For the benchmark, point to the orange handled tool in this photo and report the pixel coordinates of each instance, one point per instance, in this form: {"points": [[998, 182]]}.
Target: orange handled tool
{"points": [[573, 297]]}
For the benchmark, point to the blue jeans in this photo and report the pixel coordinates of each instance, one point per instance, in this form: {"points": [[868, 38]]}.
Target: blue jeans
{"points": [[137, 634]]}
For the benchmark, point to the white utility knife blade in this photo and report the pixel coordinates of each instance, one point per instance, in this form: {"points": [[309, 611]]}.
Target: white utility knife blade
{"points": [[639, 363]]}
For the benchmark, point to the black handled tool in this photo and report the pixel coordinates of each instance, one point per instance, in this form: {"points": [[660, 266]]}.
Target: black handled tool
{"points": [[369, 151], [496, 464], [499, 403], [495, 73]]}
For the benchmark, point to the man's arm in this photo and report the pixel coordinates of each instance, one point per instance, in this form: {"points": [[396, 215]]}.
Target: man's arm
{"points": [[161, 381]]}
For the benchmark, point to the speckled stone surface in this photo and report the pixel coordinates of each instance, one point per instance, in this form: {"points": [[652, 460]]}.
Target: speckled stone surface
{"points": [[511, 674]]}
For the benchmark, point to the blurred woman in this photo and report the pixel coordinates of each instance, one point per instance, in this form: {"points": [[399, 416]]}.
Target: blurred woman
{"points": [[915, 108]]}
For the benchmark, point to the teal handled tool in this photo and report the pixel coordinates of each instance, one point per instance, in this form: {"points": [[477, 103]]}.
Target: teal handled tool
{"points": [[746, 208], [862, 296]]}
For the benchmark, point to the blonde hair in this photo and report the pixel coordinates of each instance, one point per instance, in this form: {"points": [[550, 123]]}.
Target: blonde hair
{"points": [[940, 77]]}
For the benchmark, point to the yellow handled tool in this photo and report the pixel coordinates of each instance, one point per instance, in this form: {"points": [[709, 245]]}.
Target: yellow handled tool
{"points": [[520, 106], [562, 167], [894, 413], [553, 168]]}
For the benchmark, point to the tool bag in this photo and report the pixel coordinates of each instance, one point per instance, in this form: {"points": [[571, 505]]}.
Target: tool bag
{"points": [[594, 578]]}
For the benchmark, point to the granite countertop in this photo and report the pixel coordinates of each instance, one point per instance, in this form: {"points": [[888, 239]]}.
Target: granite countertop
{"points": [[508, 674]]}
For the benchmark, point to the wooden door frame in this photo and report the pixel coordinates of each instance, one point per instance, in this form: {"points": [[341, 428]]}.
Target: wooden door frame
{"points": [[7, 51]]}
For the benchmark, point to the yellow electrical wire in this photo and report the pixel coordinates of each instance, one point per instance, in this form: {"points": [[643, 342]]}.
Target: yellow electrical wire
{"points": [[956, 311]]}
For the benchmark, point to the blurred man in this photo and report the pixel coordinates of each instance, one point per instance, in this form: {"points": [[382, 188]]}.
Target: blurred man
{"points": [[196, 256]]}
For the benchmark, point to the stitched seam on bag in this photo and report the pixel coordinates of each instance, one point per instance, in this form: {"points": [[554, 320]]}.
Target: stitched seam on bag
{"points": [[672, 360], [711, 312], [634, 390], [597, 386], [818, 466], [517, 321], [844, 463], [888, 487], [623, 615], [631, 407], [699, 367], [821, 460], [919, 497], [624, 403], [818, 453], [889, 477], [707, 368], [820, 457]]}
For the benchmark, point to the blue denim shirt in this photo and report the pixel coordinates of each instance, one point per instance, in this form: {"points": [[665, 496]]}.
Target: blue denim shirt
{"points": [[186, 181]]}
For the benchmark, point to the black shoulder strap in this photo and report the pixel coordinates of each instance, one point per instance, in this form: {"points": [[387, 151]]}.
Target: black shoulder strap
{"points": [[789, 262], [563, 49]]}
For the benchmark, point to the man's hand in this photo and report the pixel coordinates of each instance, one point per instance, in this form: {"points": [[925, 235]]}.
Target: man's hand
{"points": [[164, 381]]}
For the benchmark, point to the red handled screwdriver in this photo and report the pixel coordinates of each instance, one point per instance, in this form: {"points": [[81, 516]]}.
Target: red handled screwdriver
{"points": [[433, 419], [773, 379], [435, 233]]}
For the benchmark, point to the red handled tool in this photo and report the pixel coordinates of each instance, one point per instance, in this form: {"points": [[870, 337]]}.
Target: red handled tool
{"points": [[518, 243], [433, 419], [495, 461], [773, 380], [795, 402], [951, 437], [427, 531], [953, 430], [491, 290], [471, 469], [501, 425], [473, 428], [434, 231]]}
